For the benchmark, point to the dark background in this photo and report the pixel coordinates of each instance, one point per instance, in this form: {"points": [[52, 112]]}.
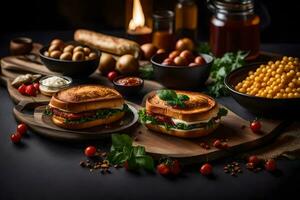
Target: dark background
{"points": [[279, 18]]}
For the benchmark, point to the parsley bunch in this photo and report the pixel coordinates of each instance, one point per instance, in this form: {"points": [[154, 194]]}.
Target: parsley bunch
{"points": [[221, 68]]}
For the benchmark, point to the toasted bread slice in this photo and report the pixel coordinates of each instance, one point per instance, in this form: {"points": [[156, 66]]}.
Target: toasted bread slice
{"points": [[194, 133], [85, 98], [59, 121], [199, 107]]}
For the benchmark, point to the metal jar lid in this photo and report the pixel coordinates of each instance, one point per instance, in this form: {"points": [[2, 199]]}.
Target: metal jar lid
{"points": [[231, 7]]}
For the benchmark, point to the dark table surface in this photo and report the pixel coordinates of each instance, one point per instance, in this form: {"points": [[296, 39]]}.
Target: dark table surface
{"points": [[40, 168]]}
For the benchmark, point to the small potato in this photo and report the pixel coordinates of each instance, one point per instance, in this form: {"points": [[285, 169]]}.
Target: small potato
{"points": [[69, 48], [78, 48], [127, 64], [107, 63], [185, 44], [54, 47], [92, 56], [161, 51], [86, 58], [86, 51], [180, 61], [58, 42], [78, 56], [66, 56], [148, 50], [174, 54], [55, 54], [46, 53]]}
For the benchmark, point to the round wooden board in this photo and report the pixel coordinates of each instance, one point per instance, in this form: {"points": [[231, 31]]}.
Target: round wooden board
{"points": [[44, 126], [235, 129]]}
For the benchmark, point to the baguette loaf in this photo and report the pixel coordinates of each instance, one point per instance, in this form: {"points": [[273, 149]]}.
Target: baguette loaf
{"points": [[107, 43]]}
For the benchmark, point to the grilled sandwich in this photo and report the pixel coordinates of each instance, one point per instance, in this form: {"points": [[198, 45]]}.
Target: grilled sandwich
{"points": [[86, 106], [181, 113]]}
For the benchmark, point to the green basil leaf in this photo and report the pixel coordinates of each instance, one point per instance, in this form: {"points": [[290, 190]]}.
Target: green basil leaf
{"points": [[222, 112], [183, 97], [121, 140], [139, 151], [167, 94], [117, 157], [145, 162]]}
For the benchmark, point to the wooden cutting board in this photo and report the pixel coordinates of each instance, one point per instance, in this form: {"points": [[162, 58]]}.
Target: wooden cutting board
{"points": [[13, 66], [233, 128]]}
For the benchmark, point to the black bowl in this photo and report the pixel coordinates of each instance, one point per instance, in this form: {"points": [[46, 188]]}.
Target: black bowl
{"points": [[128, 90], [181, 77], [274, 108], [71, 68]]}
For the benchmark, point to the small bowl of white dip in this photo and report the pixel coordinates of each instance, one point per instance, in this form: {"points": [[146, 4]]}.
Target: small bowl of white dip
{"points": [[49, 85]]}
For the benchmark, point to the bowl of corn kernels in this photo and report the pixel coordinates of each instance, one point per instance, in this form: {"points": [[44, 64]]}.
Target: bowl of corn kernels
{"points": [[267, 89]]}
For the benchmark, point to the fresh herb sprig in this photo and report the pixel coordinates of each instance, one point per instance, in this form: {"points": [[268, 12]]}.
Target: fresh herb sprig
{"points": [[135, 156], [172, 98], [221, 68]]}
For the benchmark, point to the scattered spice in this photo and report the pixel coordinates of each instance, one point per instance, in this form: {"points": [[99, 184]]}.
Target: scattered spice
{"points": [[205, 145], [233, 169], [98, 162]]}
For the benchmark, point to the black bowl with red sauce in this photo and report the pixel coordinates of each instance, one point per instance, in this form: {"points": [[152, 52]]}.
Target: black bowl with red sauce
{"points": [[128, 85]]}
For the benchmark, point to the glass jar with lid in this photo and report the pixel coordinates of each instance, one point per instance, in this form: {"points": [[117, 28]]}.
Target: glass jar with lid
{"points": [[163, 29], [234, 26]]}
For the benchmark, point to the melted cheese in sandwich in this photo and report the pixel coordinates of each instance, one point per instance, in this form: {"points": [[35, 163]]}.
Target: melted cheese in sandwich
{"points": [[119, 107], [179, 121]]}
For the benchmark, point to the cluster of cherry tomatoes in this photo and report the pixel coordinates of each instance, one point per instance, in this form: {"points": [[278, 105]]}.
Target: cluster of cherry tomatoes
{"points": [[29, 90], [254, 161], [21, 130], [183, 58], [172, 167]]}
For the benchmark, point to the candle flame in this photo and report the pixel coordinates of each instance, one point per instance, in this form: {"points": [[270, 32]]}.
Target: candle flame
{"points": [[138, 17]]}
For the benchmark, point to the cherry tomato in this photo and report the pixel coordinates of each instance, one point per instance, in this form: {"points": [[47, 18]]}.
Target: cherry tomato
{"points": [[199, 60], [217, 144], [36, 86], [175, 167], [112, 75], [270, 165], [206, 169], [255, 126], [30, 90], [224, 145], [22, 128], [163, 169], [253, 159], [16, 137], [90, 151], [22, 89]]}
